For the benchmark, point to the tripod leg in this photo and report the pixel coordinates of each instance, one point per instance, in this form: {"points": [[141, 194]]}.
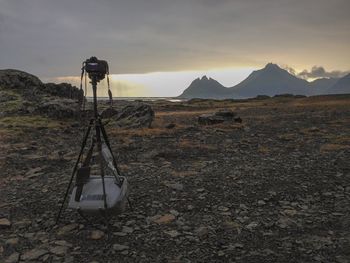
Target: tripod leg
{"points": [[74, 170], [105, 137]]}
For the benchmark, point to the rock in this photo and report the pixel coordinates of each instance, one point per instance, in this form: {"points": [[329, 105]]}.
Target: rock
{"points": [[223, 208], [67, 229], [59, 109], [13, 258], [63, 243], [34, 254], [127, 229], [202, 231], [59, 250], [175, 186], [252, 226], [174, 212], [164, 219], [216, 117], [12, 241], [238, 120], [172, 233], [261, 202], [119, 247], [16, 79], [170, 126], [190, 207], [109, 113], [135, 116], [64, 90], [4, 223], [97, 234]]}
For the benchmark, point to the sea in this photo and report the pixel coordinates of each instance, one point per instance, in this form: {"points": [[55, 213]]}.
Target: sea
{"points": [[170, 99]]}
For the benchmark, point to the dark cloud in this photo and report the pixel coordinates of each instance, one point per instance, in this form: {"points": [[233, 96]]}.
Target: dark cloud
{"points": [[50, 38], [320, 72]]}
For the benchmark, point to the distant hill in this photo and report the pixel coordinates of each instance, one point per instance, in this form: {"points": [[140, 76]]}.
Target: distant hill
{"points": [[342, 86], [322, 86], [205, 88], [271, 80]]}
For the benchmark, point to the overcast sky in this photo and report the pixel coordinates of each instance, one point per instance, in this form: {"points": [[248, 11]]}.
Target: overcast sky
{"points": [[50, 38]]}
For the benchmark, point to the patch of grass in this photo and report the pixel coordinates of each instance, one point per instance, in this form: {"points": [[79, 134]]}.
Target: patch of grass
{"points": [[35, 121], [13, 103], [329, 147]]}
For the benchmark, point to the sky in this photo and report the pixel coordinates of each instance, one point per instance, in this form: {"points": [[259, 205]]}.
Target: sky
{"points": [[157, 47]]}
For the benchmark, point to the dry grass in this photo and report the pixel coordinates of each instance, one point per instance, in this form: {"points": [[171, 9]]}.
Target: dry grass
{"points": [[329, 147], [190, 144]]}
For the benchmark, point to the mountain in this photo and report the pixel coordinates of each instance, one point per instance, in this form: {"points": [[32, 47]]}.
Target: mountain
{"points": [[205, 88], [271, 80], [342, 86], [321, 86]]}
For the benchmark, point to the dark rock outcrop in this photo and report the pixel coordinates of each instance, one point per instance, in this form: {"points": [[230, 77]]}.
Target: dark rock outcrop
{"points": [[24, 93], [64, 90], [216, 117], [59, 109], [135, 116], [108, 113]]}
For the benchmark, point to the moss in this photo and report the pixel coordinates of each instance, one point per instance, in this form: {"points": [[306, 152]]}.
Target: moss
{"points": [[29, 122], [14, 102]]}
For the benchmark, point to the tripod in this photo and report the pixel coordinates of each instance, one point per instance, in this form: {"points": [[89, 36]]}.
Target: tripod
{"points": [[100, 132]]}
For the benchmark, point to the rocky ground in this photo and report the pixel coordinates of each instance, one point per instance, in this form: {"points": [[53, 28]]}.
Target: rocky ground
{"points": [[274, 188]]}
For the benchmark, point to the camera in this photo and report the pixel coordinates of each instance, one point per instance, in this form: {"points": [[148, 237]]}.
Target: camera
{"points": [[96, 68]]}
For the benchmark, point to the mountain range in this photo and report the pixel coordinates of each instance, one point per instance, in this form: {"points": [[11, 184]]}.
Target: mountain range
{"points": [[271, 80]]}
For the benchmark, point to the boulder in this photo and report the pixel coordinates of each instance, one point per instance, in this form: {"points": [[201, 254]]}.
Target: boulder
{"points": [[59, 109], [64, 90], [135, 116], [108, 113], [16, 79], [216, 117]]}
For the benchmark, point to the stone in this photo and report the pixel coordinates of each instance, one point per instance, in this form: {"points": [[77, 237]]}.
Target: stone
{"points": [[135, 116], [164, 219], [172, 233], [63, 243], [13, 258], [108, 113], [12, 241], [59, 250], [5, 223], [59, 109], [34, 254], [202, 231], [174, 212], [175, 186], [170, 126], [216, 117], [119, 247], [127, 229], [97, 234], [67, 229], [190, 207], [223, 208], [252, 226]]}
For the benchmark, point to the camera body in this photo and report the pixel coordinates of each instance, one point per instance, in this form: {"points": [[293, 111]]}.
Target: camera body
{"points": [[96, 68]]}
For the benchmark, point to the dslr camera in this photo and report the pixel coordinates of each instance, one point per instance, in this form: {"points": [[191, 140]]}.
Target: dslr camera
{"points": [[96, 68]]}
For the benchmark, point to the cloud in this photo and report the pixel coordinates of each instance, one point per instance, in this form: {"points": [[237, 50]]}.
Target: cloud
{"points": [[320, 72], [51, 38]]}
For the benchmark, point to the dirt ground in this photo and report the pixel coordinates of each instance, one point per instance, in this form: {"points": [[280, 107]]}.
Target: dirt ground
{"points": [[274, 188]]}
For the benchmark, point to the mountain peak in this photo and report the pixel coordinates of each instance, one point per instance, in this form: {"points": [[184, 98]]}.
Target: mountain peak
{"points": [[272, 66], [204, 78]]}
